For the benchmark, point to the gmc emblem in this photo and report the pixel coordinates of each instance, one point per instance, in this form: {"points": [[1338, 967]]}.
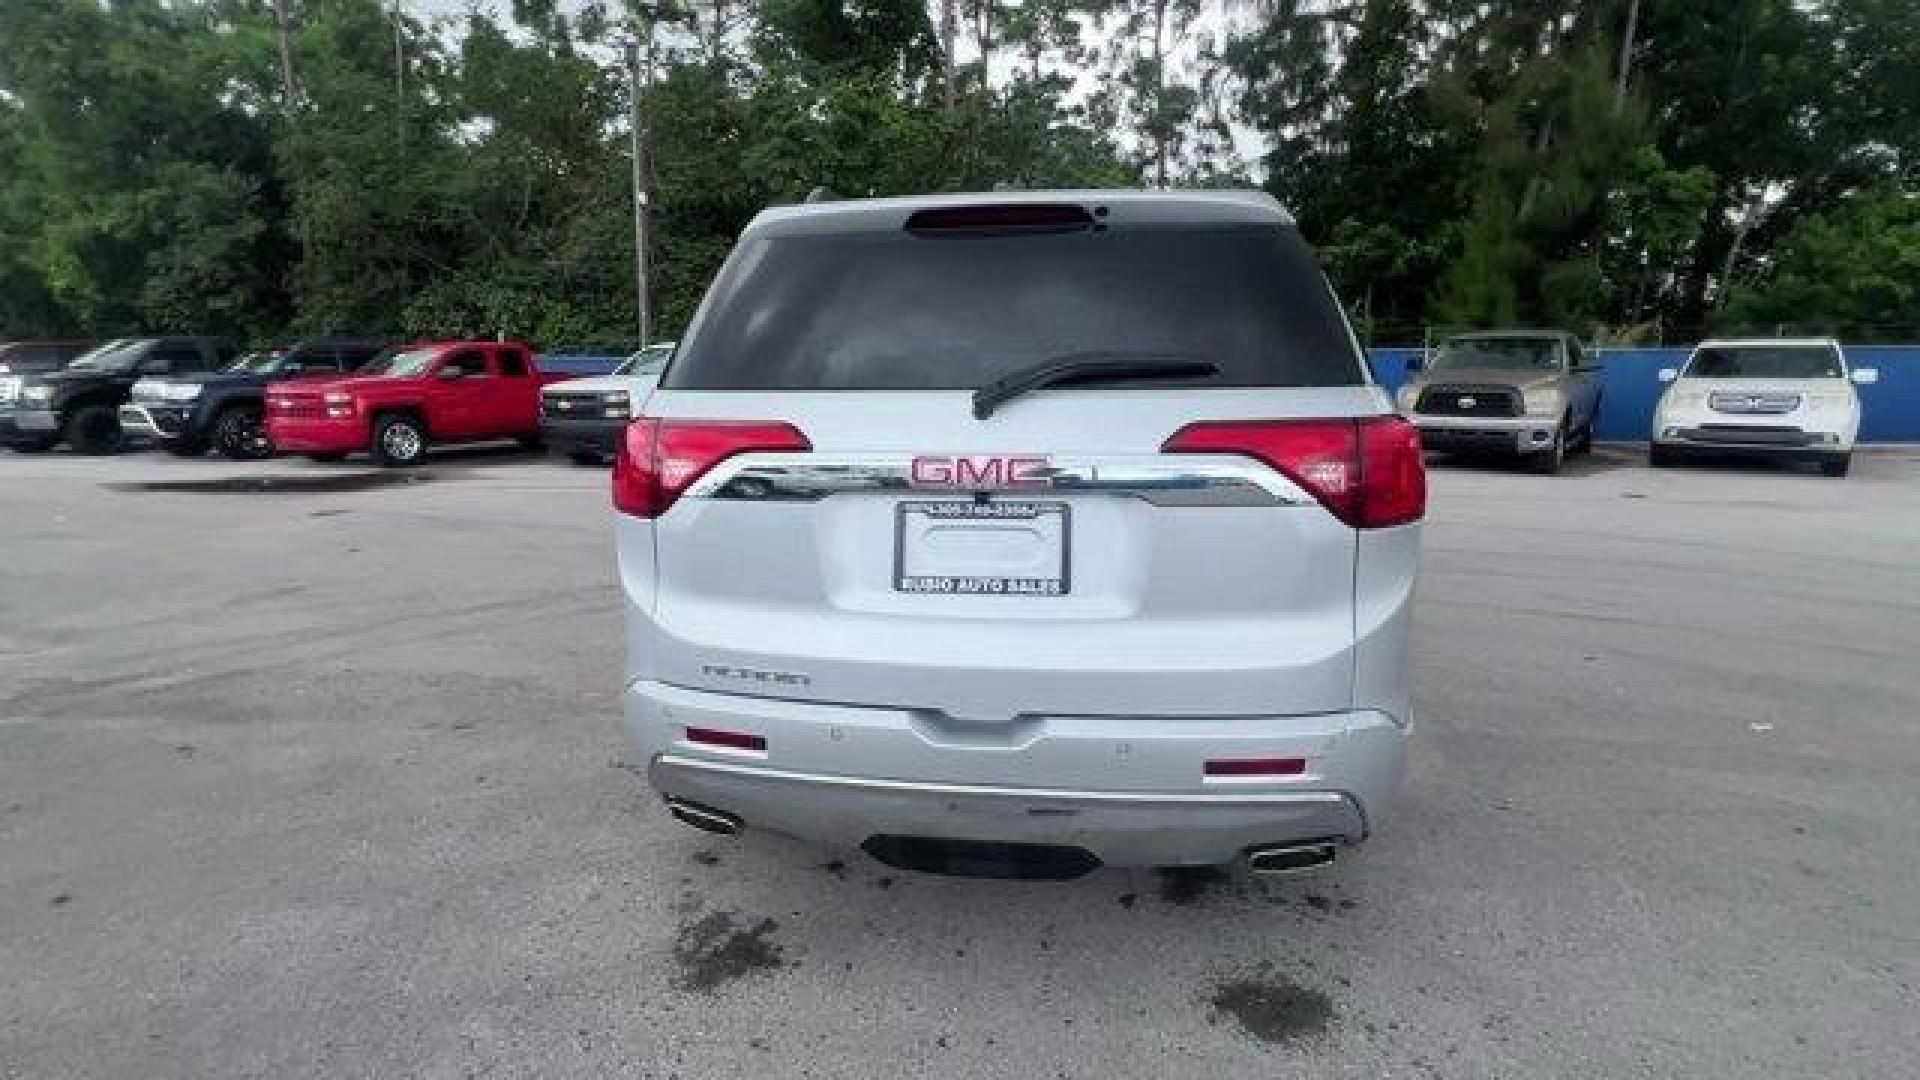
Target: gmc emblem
{"points": [[981, 473]]}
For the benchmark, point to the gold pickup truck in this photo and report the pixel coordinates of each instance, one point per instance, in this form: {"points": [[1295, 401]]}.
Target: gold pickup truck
{"points": [[1532, 395]]}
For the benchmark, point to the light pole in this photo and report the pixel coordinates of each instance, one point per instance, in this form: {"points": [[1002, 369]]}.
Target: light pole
{"points": [[634, 75]]}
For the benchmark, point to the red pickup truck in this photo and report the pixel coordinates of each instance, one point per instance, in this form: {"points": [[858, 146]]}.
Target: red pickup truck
{"points": [[395, 406]]}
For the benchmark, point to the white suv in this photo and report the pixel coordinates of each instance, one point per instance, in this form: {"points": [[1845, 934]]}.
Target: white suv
{"points": [[1020, 533], [1779, 398]]}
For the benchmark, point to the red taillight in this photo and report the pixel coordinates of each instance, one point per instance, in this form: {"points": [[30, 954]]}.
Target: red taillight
{"points": [[660, 458], [730, 740], [1368, 472], [1279, 766]]}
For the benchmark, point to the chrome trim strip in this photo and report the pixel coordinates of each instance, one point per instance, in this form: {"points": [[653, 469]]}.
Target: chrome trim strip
{"points": [[1163, 480], [141, 420], [913, 787]]}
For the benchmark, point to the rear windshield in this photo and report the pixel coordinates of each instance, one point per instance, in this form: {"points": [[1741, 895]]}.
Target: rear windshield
{"points": [[898, 311], [1765, 362]]}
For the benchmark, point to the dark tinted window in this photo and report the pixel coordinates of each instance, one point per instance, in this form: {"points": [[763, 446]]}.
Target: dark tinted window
{"points": [[171, 357], [472, 365], [513, 363], [352, 356], [894, 310]]}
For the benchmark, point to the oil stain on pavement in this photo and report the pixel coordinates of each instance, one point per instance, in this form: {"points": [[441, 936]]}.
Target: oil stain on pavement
{"points": [[714, 950], [324, 482], [1273, 1010]]}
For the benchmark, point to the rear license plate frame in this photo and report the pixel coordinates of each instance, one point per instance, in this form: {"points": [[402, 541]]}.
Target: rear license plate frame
{"points": [[982, 510]]}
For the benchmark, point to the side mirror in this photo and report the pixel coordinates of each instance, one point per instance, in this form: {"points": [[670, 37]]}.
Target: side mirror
{"points": [[1416, 362], [1668, 374], [1866, 376], [449, 374]]}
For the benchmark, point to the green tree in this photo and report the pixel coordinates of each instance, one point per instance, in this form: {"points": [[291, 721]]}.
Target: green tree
{"points": [[1853, 271]]}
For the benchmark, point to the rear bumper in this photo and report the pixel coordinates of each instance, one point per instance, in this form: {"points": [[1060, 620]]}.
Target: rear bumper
{"points": [[303, 435], [1130, 790], [1485, 434]]}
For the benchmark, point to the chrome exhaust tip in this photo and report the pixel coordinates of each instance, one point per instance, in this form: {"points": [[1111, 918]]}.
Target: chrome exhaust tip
{"points": [[1281, 861], [704, 818]]}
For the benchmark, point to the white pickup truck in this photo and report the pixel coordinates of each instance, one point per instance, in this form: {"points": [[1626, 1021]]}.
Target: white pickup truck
{"points": [[583, 418]]}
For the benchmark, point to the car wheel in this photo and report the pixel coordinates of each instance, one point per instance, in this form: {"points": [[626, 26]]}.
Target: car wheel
{"points": [[1659, 457], [237, 434], [1586, 433], [532, 443], [94, 429], [1548, 461], [586, 457], [398, 441], [1837, 466]]}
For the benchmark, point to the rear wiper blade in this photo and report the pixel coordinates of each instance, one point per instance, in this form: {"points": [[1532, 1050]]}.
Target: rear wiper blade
{"points": [[1086, 368]]}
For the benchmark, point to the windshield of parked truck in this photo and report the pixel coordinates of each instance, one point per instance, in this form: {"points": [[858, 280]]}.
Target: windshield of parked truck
{"points": [[400, 365], [1499, 354], [1765, 362], [647, 361], [106, 358], [259, 363]]}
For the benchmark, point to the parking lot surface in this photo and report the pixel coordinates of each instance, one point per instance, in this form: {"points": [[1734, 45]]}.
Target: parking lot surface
{"points": [[330, 782]]}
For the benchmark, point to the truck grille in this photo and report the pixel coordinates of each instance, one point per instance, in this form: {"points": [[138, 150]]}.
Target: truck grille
{"points": [[1754, 404], [569, 405], [294, 406], [1468, 401]]}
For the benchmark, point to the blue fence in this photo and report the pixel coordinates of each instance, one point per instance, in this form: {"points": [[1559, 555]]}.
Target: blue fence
{"points": [[1889, 409]]}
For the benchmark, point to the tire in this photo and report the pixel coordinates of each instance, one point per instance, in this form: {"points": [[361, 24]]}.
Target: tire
{"points": [[1548, 461], [1836, 466], [587, 458], [399, 440], [1659, 457], [94, 430], [237, 434], [532, 443], [38, 445], [1586, 433]]}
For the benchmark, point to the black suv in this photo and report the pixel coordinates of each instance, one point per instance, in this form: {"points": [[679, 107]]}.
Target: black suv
{"points": [[45, 354], [80, 403], [187, 414]]}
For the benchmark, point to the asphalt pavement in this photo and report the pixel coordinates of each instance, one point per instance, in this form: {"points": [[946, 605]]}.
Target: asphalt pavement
{"points": [[328, 781]]}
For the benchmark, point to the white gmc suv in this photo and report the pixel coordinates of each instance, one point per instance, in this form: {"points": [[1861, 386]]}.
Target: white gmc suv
{"points": [[1020, 533]]}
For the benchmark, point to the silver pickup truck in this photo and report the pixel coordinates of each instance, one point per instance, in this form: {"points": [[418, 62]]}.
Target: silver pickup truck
{"points": [[1529, 394]]}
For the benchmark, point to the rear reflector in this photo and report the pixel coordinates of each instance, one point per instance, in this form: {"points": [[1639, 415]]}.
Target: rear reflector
{"points": [[1368, 472], [660, 458], [1273, 766], [731, 740], [1001, 220]]}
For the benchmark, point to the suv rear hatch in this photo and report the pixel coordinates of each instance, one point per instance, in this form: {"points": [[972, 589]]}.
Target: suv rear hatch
{"points": [[835, 514]]}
